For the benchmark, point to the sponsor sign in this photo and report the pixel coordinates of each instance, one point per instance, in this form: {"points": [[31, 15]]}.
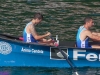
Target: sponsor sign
{"points": [[75, 54], [27, 50], [89, 56]]}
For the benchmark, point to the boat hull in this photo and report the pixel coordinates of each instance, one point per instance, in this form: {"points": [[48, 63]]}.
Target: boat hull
{"points": [[18, 53]]}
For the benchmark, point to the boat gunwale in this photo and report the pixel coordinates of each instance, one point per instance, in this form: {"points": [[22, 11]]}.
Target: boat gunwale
{"points": [[18, 41]]}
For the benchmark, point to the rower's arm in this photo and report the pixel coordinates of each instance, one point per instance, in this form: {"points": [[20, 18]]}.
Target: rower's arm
{"points": [[93, 36], [94, 33], [36, 36]]}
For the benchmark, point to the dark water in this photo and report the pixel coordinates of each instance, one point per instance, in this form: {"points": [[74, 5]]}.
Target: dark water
{"points": [[61, 17], [46, 71]]}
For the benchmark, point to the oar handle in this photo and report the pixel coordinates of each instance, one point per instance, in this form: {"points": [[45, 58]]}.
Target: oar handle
{"points": [[56, 42]]}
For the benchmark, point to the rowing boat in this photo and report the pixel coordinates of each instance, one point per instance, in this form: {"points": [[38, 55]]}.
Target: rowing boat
{"points": [[14, 52]]}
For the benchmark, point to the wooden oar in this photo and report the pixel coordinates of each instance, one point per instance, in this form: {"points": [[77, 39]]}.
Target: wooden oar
{"points": [[12, 37], [66, 57]]}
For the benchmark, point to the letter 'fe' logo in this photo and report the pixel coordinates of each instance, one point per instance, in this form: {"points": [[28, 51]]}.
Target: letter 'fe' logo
{"points": [[83, 54], [5, 48]]}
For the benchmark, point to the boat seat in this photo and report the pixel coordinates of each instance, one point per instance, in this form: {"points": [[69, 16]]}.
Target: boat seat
{"points": [[67, 43], [94, 43], [91, 43]]}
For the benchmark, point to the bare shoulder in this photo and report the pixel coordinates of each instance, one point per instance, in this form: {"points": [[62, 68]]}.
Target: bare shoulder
{"points": [[28, 28], [87, 32], [32, 30], [32, 27]]}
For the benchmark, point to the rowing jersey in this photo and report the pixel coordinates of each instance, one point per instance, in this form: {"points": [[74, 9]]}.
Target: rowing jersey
{"points": [[80, 43], [28, 36]]}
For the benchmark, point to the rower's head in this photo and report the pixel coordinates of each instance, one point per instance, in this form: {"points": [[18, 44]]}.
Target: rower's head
{"points": [[88, 21], [38, 18]]}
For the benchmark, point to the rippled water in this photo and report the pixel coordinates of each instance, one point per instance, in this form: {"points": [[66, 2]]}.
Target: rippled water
{"points": [[46, 71], [61, 17]]}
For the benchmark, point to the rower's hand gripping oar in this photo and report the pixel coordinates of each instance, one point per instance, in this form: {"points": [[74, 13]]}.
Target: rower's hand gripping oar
{"points": [[66, 57]]}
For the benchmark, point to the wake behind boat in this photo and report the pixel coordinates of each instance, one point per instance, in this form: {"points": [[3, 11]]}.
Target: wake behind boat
{"points": [[14, 52]]}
